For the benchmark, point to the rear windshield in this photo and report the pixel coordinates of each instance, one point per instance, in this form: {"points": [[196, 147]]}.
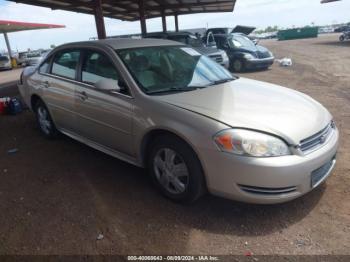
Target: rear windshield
{"points": [[4, 58], [187, 39]]}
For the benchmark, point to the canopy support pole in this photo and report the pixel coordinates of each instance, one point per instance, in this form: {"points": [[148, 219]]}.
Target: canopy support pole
{"points": [[164, 21], [142, 17], [176, 23], [8, 45], [100, 24]]}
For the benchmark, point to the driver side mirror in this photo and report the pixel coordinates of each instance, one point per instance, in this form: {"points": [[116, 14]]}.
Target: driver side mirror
{"points": [[110, 85]]}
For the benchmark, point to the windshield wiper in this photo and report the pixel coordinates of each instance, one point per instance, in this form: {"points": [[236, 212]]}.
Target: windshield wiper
{"points": [[173, 89], [221, 81]]}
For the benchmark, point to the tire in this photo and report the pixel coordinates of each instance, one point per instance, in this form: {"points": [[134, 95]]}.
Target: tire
{"points": [[341, 38], [44, 120], [237, 65], [180, 178]]}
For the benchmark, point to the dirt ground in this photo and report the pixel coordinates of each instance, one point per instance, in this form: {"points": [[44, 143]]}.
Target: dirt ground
{"points": [[56, 197]]}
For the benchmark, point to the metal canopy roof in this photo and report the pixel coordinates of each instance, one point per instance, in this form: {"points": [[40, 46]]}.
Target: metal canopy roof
{"points": [[328, 1], [129, 9], [14, 26]]}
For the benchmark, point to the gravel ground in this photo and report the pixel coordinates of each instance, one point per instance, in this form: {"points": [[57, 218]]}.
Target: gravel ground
{"points": [[62, 197]]}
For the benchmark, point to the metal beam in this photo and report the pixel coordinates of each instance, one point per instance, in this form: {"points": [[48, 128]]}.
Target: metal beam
{"points": [[142, 17], [129, 10], [176, 22], [164, 21], [100, 24], [8, 45]]}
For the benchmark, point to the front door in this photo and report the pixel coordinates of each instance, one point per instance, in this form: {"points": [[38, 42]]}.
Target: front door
{"points": [[103, 117]]}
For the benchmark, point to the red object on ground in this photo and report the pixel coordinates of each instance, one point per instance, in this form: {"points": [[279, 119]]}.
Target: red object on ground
{"points": [[3, 105]]}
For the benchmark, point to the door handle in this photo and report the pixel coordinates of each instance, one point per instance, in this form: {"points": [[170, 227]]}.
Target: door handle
{"points": [[82, 95]]}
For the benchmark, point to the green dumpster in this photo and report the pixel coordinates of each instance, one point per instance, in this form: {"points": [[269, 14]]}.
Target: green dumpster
{"points": [[297, 33]]}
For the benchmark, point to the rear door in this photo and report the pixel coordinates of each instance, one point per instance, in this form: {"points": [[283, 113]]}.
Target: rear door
{"points": [[58, 84], [104, 117]]}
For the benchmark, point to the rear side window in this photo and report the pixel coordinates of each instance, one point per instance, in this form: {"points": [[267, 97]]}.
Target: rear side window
{"points": [[65, 64], [96, 67]]}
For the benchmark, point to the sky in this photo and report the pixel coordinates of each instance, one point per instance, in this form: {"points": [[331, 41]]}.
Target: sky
{"points": [[79, 27]]}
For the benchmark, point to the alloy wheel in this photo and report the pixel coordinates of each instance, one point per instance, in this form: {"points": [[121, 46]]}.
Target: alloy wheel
{"points": [[44, 120], [171, 171]]}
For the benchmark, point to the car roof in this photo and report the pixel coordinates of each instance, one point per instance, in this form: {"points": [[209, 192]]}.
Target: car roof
{"points": [[125, 43]]}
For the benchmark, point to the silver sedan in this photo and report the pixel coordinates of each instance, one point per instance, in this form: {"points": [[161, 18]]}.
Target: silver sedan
{"points": [[161, 105]]}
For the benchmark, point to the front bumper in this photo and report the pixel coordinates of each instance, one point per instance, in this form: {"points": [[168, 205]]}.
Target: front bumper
{"points": [[267, 180], [259, 63]]}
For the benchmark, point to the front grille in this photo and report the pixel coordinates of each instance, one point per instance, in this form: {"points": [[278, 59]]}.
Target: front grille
{"points": [[262, 54], [317, 139], [216, 58], [268, 190]]}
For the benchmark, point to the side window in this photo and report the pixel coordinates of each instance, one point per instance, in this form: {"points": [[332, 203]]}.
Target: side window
{"points": [[97, 67], [221, 42], [65, 64], [45, 66]]}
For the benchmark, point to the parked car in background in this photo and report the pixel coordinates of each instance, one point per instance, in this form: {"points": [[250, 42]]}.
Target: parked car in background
{"points": [[243, 53], [35, 57], [162, 105], [5, 63], [21, 58], [342, 29], [344, 36], [192, 40]]}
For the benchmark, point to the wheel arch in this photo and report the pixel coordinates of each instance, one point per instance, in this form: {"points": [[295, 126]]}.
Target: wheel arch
{"points": [[149, 137], [33, 100]]}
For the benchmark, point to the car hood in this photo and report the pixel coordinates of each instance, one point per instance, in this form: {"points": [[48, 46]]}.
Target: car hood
{"points": [[255, 49], [251, 104]]}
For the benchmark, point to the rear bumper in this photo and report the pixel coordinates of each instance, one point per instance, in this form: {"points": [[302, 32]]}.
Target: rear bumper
{"points": [[268, 180], [259, 63]]}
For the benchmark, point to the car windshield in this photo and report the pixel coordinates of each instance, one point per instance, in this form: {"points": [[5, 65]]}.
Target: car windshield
{"points": [[172, 69], [4, 58], [241, 41]]}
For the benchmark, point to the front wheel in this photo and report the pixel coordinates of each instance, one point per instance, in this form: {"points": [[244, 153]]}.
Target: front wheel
{"points": [[44, 120], [237, 65], [176, 170], [342, 38]]}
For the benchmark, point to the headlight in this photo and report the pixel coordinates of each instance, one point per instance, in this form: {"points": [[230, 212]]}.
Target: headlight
{"points": [[250, 143], [271, 54], [225, 56], [249, 56]]}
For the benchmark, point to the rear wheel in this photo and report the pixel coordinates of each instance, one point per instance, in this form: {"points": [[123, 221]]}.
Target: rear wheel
{"points": [[176, 170], [44, 120], [342, 38]]}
